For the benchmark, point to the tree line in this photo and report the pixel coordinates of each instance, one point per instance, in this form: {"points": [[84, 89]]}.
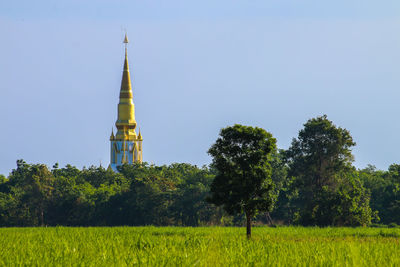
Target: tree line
{"points": [[313, 182]]}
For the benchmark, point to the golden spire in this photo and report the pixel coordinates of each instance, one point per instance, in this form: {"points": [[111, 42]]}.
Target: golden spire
{"points": [[126, 86], [126, 109]]}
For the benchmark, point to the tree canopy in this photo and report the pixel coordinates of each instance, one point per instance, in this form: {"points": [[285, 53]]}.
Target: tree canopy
{"points": [[243, 184], [329, 190]]}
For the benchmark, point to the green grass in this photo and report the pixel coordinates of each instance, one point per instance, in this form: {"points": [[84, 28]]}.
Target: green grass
{"points": [[213, 246]]}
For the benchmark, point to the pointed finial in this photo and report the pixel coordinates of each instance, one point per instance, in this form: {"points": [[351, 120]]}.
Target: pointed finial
{"points": [[112, 137], [126, 41], [140, 135]]}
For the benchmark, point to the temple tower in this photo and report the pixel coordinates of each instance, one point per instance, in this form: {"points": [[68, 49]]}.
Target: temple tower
{"points": [[126, 146]]}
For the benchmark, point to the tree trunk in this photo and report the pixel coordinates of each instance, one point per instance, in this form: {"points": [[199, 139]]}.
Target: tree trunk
{"points": [[248, 228], [269, 219], [41, 217]]}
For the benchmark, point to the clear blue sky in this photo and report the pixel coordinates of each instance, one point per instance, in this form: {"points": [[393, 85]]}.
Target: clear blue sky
{"points": [[197, 66]]}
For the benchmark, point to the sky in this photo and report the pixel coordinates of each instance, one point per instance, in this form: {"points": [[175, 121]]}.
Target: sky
{"points": [[196, 67]]}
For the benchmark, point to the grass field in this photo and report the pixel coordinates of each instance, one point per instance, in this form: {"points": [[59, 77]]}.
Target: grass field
{"points": [[213, 246]]}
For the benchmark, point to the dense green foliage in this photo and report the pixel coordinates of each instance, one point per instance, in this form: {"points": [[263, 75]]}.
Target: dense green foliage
{"points": [[311, 183], [319, 186], [243, 184], [385, 192], [210, 246], [138, 195]]}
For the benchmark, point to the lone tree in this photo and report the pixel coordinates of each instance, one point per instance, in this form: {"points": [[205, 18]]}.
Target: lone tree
{"points": [[243, 182]]}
